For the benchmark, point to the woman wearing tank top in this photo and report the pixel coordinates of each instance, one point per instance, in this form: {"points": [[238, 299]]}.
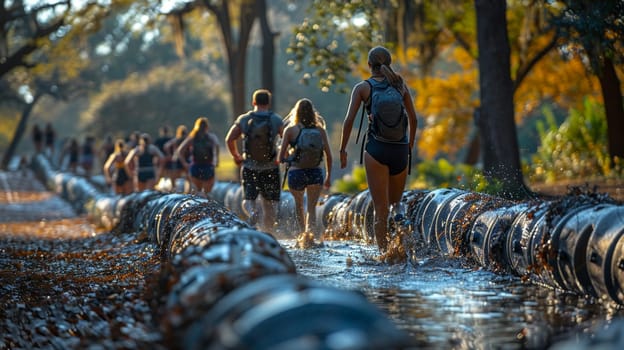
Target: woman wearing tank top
{"points": [[115, 171], [304, 180], [203, 145], [144, 160]]}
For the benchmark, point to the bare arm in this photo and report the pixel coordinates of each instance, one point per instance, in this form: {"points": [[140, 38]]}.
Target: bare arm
{"points": [[107, 166], [230, 140], [216, 156], [178, 153], [169, 147], [159, 165], [216, 149], [411, 117], [129, 161], [328, 159], [358, 95], [286, 142]]}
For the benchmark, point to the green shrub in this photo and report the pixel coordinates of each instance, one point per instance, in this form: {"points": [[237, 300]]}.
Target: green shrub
{"points": [[427, 175], [441, 174], [575, 149], [351, 183]]}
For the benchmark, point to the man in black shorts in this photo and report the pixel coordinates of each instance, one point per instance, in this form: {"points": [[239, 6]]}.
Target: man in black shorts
{"points": [[259, 129]]}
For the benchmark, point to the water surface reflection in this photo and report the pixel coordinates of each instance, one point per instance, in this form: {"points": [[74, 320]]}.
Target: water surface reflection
{"points": [[445, 303]]}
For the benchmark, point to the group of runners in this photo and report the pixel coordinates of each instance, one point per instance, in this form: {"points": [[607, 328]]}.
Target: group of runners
{"points": [[299, 141], [184, 161], [386, 155]]}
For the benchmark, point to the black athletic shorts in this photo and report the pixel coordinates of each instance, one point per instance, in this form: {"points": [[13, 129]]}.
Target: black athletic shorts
{"points": [[393, 155], [146, 175], [264, 182], [121, 177], [202, 171]]}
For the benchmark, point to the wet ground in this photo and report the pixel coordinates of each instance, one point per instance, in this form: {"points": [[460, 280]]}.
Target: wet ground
{"points": [[448, 304], [65, 284]]}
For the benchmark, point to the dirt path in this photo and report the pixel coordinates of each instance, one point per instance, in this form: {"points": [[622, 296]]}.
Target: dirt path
{"points": [[614, 188], [63, 283]]}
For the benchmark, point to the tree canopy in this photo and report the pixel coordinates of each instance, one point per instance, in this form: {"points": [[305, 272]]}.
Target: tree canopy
{"points": [[169, 62]]}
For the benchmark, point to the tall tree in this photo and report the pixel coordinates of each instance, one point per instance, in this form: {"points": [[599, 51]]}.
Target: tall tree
{"points": [[597, 28], [436, 50], [236, 35], [24, 31], [495, 120], [268, 47], [41, 88], [33, 52]]}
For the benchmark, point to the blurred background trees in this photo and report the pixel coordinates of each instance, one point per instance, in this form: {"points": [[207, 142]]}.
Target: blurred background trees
{"points": [[114, 67]]}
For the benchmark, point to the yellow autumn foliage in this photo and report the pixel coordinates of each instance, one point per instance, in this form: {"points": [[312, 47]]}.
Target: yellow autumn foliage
{"points": [[445, 106], [553, 79], [8, 122]]}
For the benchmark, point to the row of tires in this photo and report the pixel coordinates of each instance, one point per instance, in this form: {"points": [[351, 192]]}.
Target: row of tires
{"points": [[223, 284], [573, 244]]}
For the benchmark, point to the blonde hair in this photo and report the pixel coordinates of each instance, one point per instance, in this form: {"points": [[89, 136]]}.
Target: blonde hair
{"points": [[120, 145], [201, 125], [181, 131], [304, 112], [379, 59]]}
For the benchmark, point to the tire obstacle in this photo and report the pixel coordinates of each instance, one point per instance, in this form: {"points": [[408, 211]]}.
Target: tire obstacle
{"points": [[574, 244], [223, 284]]}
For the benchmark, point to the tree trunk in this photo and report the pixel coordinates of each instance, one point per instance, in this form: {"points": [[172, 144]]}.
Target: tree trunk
{"points": [[238, 67], [240, 102], [268, 49], [473, 154], [614, 108], [18, 134], [235, 47], [474, 150], [497, 128]]}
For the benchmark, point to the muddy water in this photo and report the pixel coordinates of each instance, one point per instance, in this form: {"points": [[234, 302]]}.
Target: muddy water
{"points": [[445, 303]]}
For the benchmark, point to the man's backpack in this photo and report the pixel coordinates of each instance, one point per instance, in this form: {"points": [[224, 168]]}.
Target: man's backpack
{"points": [[259, 141], [203, 149], [308, 148], [389, 120]]}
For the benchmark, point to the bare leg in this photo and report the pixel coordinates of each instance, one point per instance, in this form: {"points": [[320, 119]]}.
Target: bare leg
{"points": [[195, 183], [378, 186], [250, 208], [298, 196], [207, 185], [397, 186], [269, 211], [313, 192]]}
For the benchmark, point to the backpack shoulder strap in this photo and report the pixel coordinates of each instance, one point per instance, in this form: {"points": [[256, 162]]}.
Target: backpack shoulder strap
{"points": [[298, 136], [364, 112], [370, 85]]}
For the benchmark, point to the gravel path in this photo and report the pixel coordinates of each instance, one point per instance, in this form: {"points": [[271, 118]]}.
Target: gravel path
{"points": [[63, 283]]}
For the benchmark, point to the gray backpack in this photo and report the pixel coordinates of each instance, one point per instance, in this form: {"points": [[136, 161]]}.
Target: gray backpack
{"points": [[389, 118], [259, 143], [308, 148], [389, 121]]}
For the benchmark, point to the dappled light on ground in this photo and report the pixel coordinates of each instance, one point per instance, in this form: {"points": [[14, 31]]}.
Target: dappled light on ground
{"points": [[64, 286], [65, 283]]}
